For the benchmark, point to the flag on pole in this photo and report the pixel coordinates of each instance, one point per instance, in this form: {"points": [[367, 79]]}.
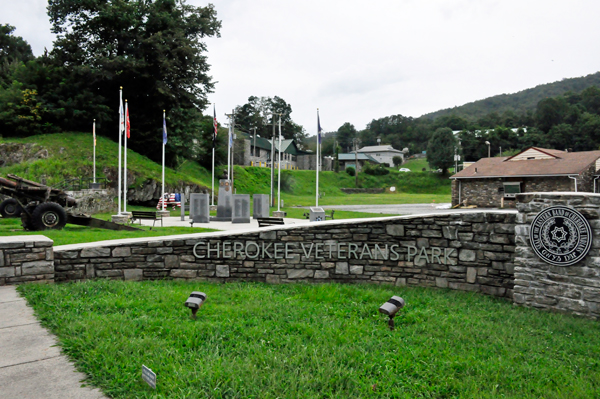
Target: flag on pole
{"points": [[127, 124], [121, 115], [215, 126], [94, 132], [164, 130], [319, 127], [231, 138]]}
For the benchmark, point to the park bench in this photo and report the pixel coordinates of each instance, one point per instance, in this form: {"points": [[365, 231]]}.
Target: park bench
{"points": [[139, 215], [262, 222]]}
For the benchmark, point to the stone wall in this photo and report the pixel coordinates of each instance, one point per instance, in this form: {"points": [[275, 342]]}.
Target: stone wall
{"points": [[25, 259], [470, 251], [487, 192], [569, 289]]}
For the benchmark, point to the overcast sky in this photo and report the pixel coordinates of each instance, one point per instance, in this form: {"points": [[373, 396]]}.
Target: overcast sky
{"points": [[358, 60]]}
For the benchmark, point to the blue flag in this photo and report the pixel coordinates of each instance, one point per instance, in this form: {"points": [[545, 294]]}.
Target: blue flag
{"points": [[164, 130], [319, 127]]}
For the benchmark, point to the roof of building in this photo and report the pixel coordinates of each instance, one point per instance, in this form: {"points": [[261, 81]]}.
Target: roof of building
{"points": [[352, 157], [379, 148], [288, 145], [556, 163]]}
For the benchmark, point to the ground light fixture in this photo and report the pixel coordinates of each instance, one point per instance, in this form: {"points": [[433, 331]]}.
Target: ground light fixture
{"points": [[195, 301], [390, 308]]}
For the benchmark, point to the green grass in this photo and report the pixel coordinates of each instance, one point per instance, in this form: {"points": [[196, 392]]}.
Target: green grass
{"points": [[316, 341], [73, 234], [70, 155]]}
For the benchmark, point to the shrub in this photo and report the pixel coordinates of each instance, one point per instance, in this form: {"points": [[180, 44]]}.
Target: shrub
{"points": [[375, 170], [351, 171], [397, 160]]}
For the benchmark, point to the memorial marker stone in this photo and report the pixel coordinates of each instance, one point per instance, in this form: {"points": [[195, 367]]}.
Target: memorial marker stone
{"points": [[261, 206], [241, 208], [317, 214], [225, 202], [199, 208]]}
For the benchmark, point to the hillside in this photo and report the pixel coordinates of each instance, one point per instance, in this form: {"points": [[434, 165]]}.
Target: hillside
{"points": [[70, 155], [520, 102]]}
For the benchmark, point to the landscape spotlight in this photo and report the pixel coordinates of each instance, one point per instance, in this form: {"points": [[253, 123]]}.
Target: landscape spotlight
{"points": [[390, 308], [195, 301]]}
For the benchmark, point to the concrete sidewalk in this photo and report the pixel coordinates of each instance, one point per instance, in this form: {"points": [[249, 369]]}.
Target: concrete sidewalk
{"points": [[224, 226], [31, 365]]}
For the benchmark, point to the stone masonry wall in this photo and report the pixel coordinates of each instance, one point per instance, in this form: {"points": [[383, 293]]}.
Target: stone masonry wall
{"points": [[570, 289], [465, 251], [486, 192], [26, 258]]}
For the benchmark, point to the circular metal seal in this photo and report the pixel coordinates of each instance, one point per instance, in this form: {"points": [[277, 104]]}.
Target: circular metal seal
{"points": [[560, 236]]}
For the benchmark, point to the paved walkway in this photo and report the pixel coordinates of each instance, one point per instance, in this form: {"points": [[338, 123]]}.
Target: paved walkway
{"points": [[31, 365]]}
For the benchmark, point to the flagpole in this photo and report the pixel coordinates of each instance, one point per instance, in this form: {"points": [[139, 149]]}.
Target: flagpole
{"points": [[125, 157], [120, 138], [318, 145], [229, 146], [163, 161], [232, 141], [213, 178], [94, 134], [213, 153], [279, 169]]}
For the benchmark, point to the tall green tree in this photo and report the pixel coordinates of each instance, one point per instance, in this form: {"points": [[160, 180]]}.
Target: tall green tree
{"points": [[14, 50], [154, 49], [345, 134], [440, 149], [263, 113]]}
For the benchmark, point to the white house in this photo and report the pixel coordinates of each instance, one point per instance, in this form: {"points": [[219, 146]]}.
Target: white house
{"points": [[382, 153]]}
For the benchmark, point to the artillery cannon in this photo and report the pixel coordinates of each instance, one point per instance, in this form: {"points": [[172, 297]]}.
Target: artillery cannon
{"points": [[44, 208]]}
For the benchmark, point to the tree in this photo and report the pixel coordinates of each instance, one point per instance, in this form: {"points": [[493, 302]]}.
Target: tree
{"points": [[13, 51], [264, 112], [345, 134], [440, 149], [154, 49]]}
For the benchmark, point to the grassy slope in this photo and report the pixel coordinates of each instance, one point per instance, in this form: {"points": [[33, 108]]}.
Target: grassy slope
{"points": [[316, 341], [75, 160], [71, 155]]}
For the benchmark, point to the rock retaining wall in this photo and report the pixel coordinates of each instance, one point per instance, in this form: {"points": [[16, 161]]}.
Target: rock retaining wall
{"points": [[25, 259], [569, 289], [470, 251]]}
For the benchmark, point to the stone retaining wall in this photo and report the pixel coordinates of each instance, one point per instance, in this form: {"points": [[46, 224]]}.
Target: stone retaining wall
{"points": [[570, 289], [26, 258], [465, 251]]}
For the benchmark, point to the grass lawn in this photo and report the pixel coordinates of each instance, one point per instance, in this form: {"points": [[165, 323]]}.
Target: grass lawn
{"points": [[73, 234], [316, 341]]}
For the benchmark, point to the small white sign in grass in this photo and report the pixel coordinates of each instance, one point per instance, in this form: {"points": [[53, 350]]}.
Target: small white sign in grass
{"points": [[149, 376]]}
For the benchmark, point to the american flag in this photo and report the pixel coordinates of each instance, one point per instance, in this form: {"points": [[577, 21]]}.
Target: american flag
{"points": [[215, 126], [170, 199]]}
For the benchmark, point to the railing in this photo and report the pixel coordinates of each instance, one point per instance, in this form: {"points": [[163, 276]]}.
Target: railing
{"points": [[81, 183]]}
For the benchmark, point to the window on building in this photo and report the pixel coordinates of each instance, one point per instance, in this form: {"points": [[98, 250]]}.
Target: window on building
{"points": [[511, 189]]}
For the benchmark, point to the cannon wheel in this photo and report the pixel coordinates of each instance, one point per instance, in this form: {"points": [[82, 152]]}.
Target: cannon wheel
{"points": [[48, 216], [10, 208]]}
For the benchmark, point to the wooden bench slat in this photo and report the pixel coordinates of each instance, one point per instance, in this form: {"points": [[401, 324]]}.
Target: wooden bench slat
{"points": [[262, 222], [139, 215]]}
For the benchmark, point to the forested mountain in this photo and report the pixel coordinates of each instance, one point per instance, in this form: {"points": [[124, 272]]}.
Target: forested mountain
{"points": [[520, 102]]}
